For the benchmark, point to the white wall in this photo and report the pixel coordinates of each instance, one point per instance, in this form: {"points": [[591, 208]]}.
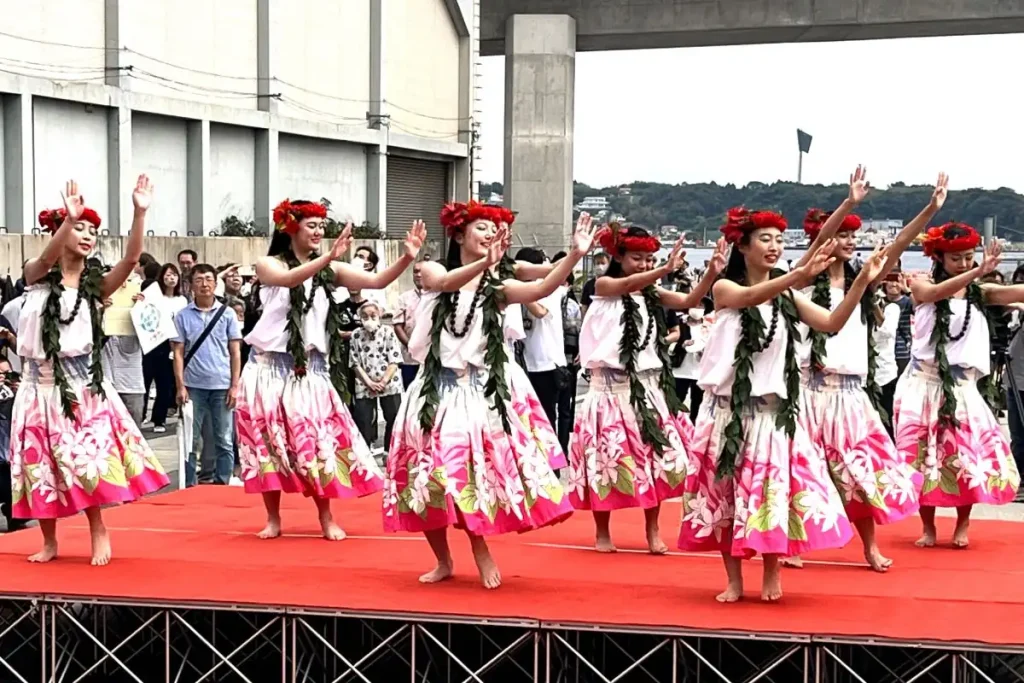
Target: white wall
{"points": [[232, 174], [421, 60], [70, 142], [160, 150], [210, 43], [311, 169], [324, 48], [78, 23], [3, 164]]}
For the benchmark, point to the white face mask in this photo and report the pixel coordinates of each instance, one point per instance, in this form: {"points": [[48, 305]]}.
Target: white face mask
{"points": [[371, 325], [358, 263], [601, 269]]}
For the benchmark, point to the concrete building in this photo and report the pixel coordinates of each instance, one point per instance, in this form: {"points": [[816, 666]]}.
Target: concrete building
{"points": [[540, 38], [232, 105]]}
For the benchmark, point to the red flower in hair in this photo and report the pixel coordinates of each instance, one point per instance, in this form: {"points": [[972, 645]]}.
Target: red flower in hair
{"points": [[616, 242], [739, 221], [816, 218], [287, 215], [455, 216], [50, 220], [936, 242]]}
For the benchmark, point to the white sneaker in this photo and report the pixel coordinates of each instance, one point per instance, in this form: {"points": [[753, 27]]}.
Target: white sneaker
{"points": [[235, 481], [159, 430]]}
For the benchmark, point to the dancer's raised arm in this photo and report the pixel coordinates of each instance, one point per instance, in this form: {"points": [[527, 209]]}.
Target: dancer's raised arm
{"points": [[859, 189], [36, 268], [925, 292], [823, 320], [679, 301], [909, 233], [436, 279], [729, 294], [142, 198], [272, 272], [357, 278], [517, 292], [617, 286]]}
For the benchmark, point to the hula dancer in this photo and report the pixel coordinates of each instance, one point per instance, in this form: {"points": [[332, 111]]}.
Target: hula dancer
{"points": [[943, 424], [630, 445], [759, 485], [74, 446], [473, 447], [295, 431]]}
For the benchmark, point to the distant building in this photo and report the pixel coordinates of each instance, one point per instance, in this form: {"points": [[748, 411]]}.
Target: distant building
{"points": [[888, 226], [594, 204], [495, 198]]}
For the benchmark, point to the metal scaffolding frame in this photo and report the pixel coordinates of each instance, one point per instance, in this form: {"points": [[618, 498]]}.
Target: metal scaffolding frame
{"points": [[53, 639]]}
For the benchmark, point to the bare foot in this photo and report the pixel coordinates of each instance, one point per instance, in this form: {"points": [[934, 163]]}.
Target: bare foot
{"points": [[332, 532], [734, 593], [441, 572], [771, 584], [604, 544], [655, 544], [490, 577], [793, 562], [100, 546], [960, 535], [48, 553], [878, 561], [927, 539], [272, 529]]}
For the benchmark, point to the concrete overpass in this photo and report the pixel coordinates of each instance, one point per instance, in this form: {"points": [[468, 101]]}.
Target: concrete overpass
{"points": [[540, 39]]}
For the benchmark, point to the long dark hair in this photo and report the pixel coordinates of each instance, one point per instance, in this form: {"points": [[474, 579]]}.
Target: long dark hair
{"points": [[615, 267], [281, 242], [736, 268], [164, 269]]}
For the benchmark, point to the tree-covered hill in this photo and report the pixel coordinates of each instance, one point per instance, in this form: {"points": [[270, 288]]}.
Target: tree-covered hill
{"points": [[694, 207]]}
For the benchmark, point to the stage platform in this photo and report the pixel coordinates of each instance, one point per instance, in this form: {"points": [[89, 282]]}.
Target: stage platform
{"points": [[192, 594]]}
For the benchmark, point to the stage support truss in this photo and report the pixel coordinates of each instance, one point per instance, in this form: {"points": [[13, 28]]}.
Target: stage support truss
{"points": [[64, 640]]}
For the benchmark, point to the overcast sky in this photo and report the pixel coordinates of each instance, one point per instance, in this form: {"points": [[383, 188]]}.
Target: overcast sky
{"points": [[905, 108]]}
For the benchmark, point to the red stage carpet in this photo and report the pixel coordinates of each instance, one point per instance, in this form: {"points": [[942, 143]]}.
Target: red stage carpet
{"points": [[198, 546]]}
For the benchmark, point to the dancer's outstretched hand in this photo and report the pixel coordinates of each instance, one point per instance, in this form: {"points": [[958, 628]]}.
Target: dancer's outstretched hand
{"points": [[499, 244], [342, 243], [583, 238], [940, 193], [993, 255], [415, 238], [676, 258], [872, 268], [74, 205], [821, 260], [142, 196], [859, 185], [719, 258]]}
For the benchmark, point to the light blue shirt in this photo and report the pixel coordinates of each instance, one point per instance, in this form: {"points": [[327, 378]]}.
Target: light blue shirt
{"points": [[210, 367]]}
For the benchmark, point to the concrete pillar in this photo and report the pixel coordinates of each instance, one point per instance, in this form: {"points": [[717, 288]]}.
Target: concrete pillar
{"points": [[19, 164], [266, 177], [540, 64], [377, 118], [197, 178], [462, 189], [114, 59], [120, 181], [266, 54]]}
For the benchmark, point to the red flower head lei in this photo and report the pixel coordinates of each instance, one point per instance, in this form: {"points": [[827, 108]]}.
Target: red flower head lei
{"points": [[740, 221], [288, 215], [616, 242], [455, 216], [936, 242], [50, 220], [816, 218]]}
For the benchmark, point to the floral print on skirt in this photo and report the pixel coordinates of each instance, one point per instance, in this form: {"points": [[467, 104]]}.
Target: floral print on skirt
{"points": [[611, 466], [467, 472], [873, 479], [780, 500], [968, 464], [60, 467], [295, 434]]}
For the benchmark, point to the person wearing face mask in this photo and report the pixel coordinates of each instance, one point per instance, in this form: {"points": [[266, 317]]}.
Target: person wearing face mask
{"points": [[375, 356], [601, 261]]}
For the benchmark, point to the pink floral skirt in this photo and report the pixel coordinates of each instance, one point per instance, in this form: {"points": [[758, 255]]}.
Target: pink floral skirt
{"points": [[968, 464], [611, 466], [60, 467], [873, 479], [780, 499], [467, 471], [296, 435]]}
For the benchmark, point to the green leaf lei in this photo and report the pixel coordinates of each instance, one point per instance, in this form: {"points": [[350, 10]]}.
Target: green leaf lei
{"points": [[752, 341], [337, 348], [629, 348], [940, 337], [90, 292], [495, 355], [822, 296]]}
